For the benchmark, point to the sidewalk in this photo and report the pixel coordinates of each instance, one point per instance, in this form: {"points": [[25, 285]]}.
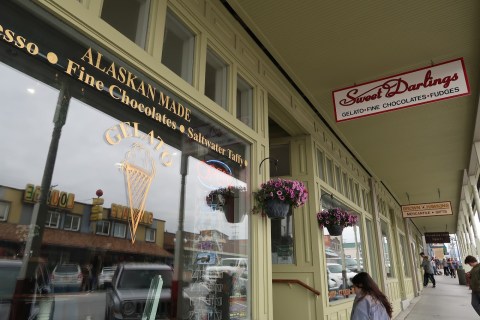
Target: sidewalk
{"points": [[448, 300]]}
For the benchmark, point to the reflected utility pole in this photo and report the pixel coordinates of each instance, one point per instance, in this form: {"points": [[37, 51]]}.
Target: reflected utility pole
{"points": [[26, 279], [179, 258]]}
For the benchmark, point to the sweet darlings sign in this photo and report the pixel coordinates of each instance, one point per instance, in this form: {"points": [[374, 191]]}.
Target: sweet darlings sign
{"points": [[437, 82]]}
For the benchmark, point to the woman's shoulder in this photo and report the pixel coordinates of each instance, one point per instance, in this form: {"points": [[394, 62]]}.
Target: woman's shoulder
{"points": [[377, 309]]}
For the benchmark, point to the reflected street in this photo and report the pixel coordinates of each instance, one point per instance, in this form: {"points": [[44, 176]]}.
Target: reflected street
{"points": [[83, 305]]}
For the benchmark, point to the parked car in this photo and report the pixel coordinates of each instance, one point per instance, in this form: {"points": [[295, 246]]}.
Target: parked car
{"points": [[105, 276], [67, 277], [128, 296], [334, 271], [39, 303]]}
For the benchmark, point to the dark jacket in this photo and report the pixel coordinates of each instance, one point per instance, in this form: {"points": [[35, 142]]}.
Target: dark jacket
{"points": [[427, 266], [475, 279]]}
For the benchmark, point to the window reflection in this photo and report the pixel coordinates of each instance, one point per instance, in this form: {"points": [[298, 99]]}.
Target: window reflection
{"points": [[387, 254], [283, 240], [95, 235], [344, 259]]}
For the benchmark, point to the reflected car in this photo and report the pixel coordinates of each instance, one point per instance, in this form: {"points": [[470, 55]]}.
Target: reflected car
{"points": [[350, 263], [105, 276], [37, 304], [334, 271], [133, 291], [67, 277], [333, 284], [231, 266]]}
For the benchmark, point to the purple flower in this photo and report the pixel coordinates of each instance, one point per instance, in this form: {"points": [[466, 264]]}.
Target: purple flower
{"points": [[336, 216], [291, 192]]}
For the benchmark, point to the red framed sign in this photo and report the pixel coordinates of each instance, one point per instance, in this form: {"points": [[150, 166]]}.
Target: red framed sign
{"points": [[437, 82]]}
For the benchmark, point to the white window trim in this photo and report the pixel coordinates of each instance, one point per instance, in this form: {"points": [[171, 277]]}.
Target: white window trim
{"points": [[49, 217], [6, 210], [114, 233], [103, 222], [154, 231], [71, 228]]}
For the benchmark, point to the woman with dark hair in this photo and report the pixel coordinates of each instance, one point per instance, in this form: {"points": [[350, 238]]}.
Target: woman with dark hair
{"points": [[370, 303]]}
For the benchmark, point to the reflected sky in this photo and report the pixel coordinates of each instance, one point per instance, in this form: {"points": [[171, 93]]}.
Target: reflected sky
{"points": [[86, 162]]}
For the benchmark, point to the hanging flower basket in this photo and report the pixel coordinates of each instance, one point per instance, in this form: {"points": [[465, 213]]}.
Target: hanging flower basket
{"points": [[276, 209], [276, 196], [335, 229], [223, 199], [335, 220]]}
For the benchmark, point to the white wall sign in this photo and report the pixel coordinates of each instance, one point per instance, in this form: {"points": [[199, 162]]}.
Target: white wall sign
{"points": [[437, 82], [427, 209]]}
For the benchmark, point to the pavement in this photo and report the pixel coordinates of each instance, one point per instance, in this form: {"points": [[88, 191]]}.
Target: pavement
{"points": [[448, 300]]}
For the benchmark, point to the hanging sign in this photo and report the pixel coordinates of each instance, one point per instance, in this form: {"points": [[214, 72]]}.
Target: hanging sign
{"points": [[427, 209], [437, 82], [437, 237]]}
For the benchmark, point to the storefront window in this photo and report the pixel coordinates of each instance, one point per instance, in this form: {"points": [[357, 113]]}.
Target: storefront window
{"points": [[128, 17], [178, 47], [387, 247], [344, 260], [244, 101], [216, 78], [158, 193]]}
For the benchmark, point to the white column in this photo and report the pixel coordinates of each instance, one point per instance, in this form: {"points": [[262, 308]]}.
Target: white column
{"points": [[461, 230], [468, 230], [468, 210], [476, 196], [460, 244], [477, 151], [465, 233]]}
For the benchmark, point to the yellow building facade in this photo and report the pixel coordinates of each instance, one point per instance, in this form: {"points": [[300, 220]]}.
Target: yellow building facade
{"points": [[259, 127]]}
